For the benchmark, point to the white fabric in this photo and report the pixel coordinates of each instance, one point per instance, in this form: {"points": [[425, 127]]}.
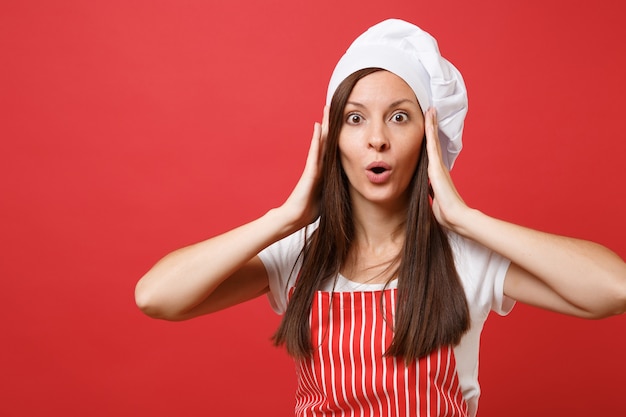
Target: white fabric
{"points": [[481, 272], [412, 54]]}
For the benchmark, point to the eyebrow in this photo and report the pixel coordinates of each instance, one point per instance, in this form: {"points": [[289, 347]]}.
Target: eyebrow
{"points": [[394, 104]]}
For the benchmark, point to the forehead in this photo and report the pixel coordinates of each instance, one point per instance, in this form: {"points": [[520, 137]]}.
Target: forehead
{"points": [[381, 86]]}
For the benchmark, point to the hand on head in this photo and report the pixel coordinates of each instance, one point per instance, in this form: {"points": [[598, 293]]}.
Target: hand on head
{"points": [[448, 206], [301, 206]]}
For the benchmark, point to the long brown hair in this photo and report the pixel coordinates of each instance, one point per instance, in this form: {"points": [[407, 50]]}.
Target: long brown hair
{"points": [[431, 309]]}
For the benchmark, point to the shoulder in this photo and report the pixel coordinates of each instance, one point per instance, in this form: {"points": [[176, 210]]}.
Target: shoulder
{"points": [[472, 258], [282, 261], [288, 248], [482, 272]]}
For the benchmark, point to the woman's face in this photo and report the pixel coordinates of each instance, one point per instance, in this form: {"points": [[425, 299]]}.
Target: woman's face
{"points": [[380, 139]]}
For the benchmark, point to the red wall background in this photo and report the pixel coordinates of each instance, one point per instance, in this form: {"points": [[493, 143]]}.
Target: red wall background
{"points": [[131, 128]]}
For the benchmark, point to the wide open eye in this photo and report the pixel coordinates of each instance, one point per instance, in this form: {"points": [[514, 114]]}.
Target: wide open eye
{"points": [[400, 117], [354, 119]]}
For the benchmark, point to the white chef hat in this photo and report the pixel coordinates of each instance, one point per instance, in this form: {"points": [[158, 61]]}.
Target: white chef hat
{"points": [[412, 54]]}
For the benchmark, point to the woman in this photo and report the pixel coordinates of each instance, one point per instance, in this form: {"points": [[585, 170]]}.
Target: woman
{"points": [[384, 274]]}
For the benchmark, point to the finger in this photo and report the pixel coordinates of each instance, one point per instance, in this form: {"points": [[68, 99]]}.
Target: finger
{"points": [[314, 149], [324, 133], [431, 127], [433, 145], [325, 122], [311, 164]]}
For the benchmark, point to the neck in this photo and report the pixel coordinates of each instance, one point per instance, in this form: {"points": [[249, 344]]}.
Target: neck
{"points": [[376, 224], [374, 229], [378, 239]]}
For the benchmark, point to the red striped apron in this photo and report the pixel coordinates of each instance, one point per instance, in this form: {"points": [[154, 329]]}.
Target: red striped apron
{"points": [[348, 375]]}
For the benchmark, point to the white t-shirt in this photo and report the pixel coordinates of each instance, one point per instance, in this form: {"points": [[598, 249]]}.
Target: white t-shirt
{"points": [[481, 271]]}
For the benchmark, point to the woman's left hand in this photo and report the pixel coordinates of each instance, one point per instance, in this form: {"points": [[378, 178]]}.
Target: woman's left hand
{"points": [[553, 272], [448, 206]]}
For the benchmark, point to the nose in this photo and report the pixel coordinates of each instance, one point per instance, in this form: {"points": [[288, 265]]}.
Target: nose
{"points": [[377, 137]]}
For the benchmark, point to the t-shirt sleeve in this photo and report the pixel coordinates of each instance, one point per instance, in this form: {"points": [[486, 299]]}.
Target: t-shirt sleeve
{"points": [[282, 261], [482, 272]]}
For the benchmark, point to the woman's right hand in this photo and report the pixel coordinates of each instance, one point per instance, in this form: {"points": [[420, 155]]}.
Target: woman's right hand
{"points": [[302, 206], [225, 270]]}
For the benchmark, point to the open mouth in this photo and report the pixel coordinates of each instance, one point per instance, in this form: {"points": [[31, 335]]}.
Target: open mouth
{"points": [[378, 170]]}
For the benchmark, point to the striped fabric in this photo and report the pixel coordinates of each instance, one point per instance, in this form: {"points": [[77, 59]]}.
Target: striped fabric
{"points": [[349, 376]]}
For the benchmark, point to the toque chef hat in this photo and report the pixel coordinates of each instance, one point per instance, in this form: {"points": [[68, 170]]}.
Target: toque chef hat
{"points": [[412, 54]]}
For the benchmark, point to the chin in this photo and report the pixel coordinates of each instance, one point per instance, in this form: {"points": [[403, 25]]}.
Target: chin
{"points": [[384, 199]]}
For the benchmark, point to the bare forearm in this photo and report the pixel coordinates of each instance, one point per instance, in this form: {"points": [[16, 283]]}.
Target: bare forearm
{"points": [[186, 277], [587, 275]]}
